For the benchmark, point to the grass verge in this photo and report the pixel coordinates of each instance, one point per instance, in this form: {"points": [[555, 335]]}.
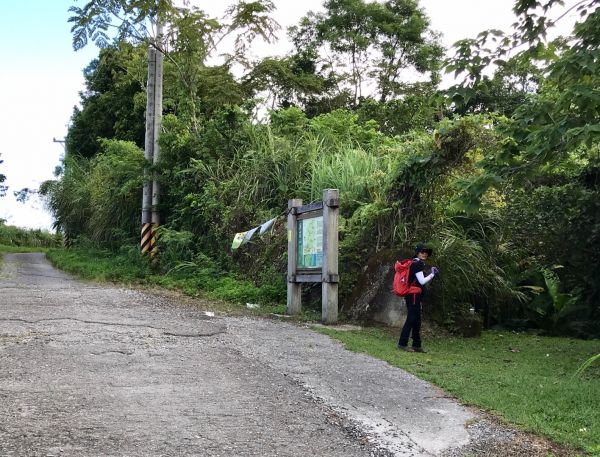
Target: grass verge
{"points": [[10, 249], [228, 295], [525, 379]]}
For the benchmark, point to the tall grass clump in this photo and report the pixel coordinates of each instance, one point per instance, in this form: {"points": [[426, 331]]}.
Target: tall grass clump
{"points": [[68, 197], [99, 198], [358, 174], [115, 184], [474, 272]]}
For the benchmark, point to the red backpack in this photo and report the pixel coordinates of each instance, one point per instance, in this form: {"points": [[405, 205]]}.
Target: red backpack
{"points": [[401, 286]]}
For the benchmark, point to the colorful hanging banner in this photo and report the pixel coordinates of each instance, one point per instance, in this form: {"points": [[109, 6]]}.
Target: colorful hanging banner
{"points": [[237, 240], [249, 234], [266, 226], [243, 237]]}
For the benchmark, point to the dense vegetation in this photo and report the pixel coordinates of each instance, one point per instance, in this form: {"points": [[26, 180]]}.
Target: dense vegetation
{"points": [[15, 238], [500, 173]]}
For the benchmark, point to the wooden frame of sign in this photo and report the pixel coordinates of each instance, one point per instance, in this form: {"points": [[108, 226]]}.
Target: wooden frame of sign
{"points": [[313, 252]]}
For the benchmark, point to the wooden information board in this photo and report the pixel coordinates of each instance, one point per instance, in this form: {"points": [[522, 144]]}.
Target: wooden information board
{"points": [[313, 251]]}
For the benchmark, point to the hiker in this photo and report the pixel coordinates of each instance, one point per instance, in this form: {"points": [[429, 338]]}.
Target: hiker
{"points": [[417, 278]]}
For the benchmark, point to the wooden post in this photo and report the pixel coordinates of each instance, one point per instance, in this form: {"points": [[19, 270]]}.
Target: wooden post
{"points": [[294, 289], [330, 275]]}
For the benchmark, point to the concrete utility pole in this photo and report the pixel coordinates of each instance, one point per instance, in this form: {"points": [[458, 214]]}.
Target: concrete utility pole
{"points": [[148, 153], [151, 189], [158, 96]]}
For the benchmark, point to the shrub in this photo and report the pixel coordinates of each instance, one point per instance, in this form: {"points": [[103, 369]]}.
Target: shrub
{"points": [[20, 237]]}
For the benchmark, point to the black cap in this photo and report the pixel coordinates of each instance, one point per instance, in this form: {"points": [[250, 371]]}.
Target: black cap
{"points": [[423, 248]]}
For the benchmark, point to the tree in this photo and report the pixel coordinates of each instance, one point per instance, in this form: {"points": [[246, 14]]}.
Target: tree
{"points": [[287, 81], [371, 44], [418, 109], [563, 117], [545, 172], [188, 40], [513, 82], [112, 106], [138, 18]]}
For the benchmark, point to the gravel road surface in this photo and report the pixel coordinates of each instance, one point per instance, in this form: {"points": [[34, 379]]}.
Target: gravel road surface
{"points": [[90, 370]]}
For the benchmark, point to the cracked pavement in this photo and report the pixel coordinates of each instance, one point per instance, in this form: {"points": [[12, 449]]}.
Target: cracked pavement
{"points": [[89, 370]]}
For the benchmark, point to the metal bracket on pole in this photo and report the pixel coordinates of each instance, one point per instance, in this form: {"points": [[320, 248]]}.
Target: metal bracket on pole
{"points": [[332, 279], [332, 203]]}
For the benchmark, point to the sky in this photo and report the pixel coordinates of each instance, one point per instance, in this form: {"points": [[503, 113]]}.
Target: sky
{"points": [[41, 77]]}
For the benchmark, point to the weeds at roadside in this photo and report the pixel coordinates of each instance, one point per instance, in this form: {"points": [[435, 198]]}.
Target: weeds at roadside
{"points": [[228, 295]]}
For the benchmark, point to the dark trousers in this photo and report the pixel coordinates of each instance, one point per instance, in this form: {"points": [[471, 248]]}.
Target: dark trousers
{"points": [[413, 321]]}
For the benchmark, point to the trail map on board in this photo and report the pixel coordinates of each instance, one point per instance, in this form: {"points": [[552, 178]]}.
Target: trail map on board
{"points": [[310, 243]]}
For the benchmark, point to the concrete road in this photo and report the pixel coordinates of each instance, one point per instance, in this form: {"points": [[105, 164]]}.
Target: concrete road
{"points": [[89, 370]]}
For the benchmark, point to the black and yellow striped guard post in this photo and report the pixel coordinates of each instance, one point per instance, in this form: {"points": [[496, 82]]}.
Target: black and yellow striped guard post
{"points": [[146, 238], [154, 241]]}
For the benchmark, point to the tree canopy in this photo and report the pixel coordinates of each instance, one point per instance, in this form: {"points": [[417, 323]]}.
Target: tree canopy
{"points": [[370, 44]]}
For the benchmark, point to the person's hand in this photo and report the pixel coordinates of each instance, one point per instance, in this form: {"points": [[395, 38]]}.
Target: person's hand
{"points": [[435, 271]]}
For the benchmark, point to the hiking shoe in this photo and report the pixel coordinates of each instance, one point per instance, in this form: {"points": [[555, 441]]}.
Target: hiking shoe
{"points": [[419, 350], [406, 348]]}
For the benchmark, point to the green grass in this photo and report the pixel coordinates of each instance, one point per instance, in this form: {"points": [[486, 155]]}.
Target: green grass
{"points": [[527, 380], [100, 265], [6, 249]]}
